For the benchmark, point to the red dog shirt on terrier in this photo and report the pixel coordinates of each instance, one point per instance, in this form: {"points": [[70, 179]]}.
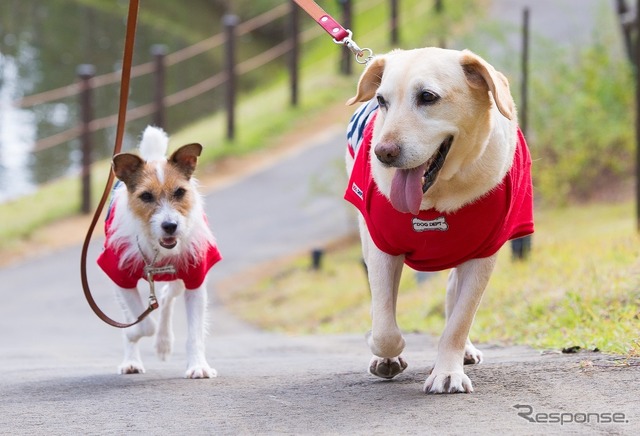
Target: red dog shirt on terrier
{"points": [[192, 270], [156, 217]]}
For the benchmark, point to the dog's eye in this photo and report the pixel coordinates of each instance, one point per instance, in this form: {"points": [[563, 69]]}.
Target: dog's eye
{"points": [[381, 102], [179, 193], [427, 97], [147, 197]]}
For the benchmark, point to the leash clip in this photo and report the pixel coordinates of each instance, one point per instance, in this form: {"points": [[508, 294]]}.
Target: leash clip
{"points": [[151, 270], [153, 301], [362, 55]]}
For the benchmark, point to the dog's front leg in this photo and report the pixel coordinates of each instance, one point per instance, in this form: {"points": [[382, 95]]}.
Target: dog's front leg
{"points": [[471, 354], [196, 305], [132, 306], [164, 337], [385, 340], [470, 281]]}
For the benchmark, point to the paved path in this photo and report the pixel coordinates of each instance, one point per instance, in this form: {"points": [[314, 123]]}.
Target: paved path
{"points": [[57, 361], [57, 367], [265, 216]]}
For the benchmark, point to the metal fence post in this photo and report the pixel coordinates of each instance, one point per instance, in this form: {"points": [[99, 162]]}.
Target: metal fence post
{"points": [[345, 54], [521, 247], [626, 24], [524, 97], [316, 259], [230, 22], [395, 38], [442, 42], [294, 54], [85, 73], [158, 51], [630, 26], [636, 50]]}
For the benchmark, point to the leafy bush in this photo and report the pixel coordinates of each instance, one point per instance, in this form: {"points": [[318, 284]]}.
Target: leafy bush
{"points": [[582, 137]]}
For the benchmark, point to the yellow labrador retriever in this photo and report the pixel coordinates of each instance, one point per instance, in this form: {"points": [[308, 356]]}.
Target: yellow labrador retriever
{"points": [[440, 173]]}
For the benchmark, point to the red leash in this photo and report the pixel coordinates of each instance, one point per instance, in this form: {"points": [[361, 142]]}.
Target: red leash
{"points": [[339, 34]]}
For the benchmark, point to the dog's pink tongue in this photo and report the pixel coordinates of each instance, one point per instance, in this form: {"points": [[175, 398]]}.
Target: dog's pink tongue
{"points": [[406, 190]]}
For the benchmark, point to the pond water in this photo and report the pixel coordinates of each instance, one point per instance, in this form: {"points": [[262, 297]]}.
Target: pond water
{"points": [[41, 45]]}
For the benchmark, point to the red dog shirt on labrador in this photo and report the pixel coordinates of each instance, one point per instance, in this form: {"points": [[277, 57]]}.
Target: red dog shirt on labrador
{"points": [[432, 240], [192, 273]]}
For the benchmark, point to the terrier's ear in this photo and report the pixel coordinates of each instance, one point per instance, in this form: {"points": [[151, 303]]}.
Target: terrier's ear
{"points": [[185, 158], [126, 167]]}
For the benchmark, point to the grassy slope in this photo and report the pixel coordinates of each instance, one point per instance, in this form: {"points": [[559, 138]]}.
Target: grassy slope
{"points": [[580, 287]]}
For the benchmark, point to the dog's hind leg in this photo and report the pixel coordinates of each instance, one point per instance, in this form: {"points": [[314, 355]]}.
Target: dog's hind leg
{"points": [[164, 337], [471, 354], [196, 305], [132, 306], [448, 374], [385, 340]]}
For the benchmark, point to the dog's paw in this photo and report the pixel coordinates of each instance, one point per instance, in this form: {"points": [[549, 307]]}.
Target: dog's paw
{"points": [[200, 371], [164, 346], [447, 383], [131, 367], [146, 327], [472, 355], [387, 368]]}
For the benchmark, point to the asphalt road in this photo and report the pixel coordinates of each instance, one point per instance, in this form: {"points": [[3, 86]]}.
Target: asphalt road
{"points": [[58, 361]]}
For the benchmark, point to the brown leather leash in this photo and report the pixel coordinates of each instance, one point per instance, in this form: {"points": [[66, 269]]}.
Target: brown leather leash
{"points": [[339, 34], [127, 59]]}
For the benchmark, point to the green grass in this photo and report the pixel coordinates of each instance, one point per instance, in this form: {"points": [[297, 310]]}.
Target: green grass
{"points": [[580, 287], [51, 202], [585, 87], [262, 118]]}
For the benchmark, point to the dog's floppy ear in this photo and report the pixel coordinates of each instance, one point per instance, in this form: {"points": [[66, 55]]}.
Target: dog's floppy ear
{"points": [[481, 75], [369, 81], [126, 167], [185, 158]]}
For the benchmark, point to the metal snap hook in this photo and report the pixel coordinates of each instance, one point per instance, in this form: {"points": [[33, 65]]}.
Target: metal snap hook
{"points": [[364, 56]]}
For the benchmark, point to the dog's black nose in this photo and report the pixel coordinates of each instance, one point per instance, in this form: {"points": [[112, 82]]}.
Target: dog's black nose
{"points": [[169, 227], [387, 152]]}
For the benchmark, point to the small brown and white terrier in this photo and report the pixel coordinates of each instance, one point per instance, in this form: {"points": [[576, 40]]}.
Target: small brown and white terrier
{"points": [[156, 222]]}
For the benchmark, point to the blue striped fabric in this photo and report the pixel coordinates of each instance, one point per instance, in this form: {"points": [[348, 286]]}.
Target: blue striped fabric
{"points": [[356, 126], [115, 186]]}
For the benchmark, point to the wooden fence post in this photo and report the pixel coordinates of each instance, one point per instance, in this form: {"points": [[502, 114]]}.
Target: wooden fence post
{"points": [[158, 51], [395, 38], [345, 53], [230, 22], [294, 54], [85, 73]]}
